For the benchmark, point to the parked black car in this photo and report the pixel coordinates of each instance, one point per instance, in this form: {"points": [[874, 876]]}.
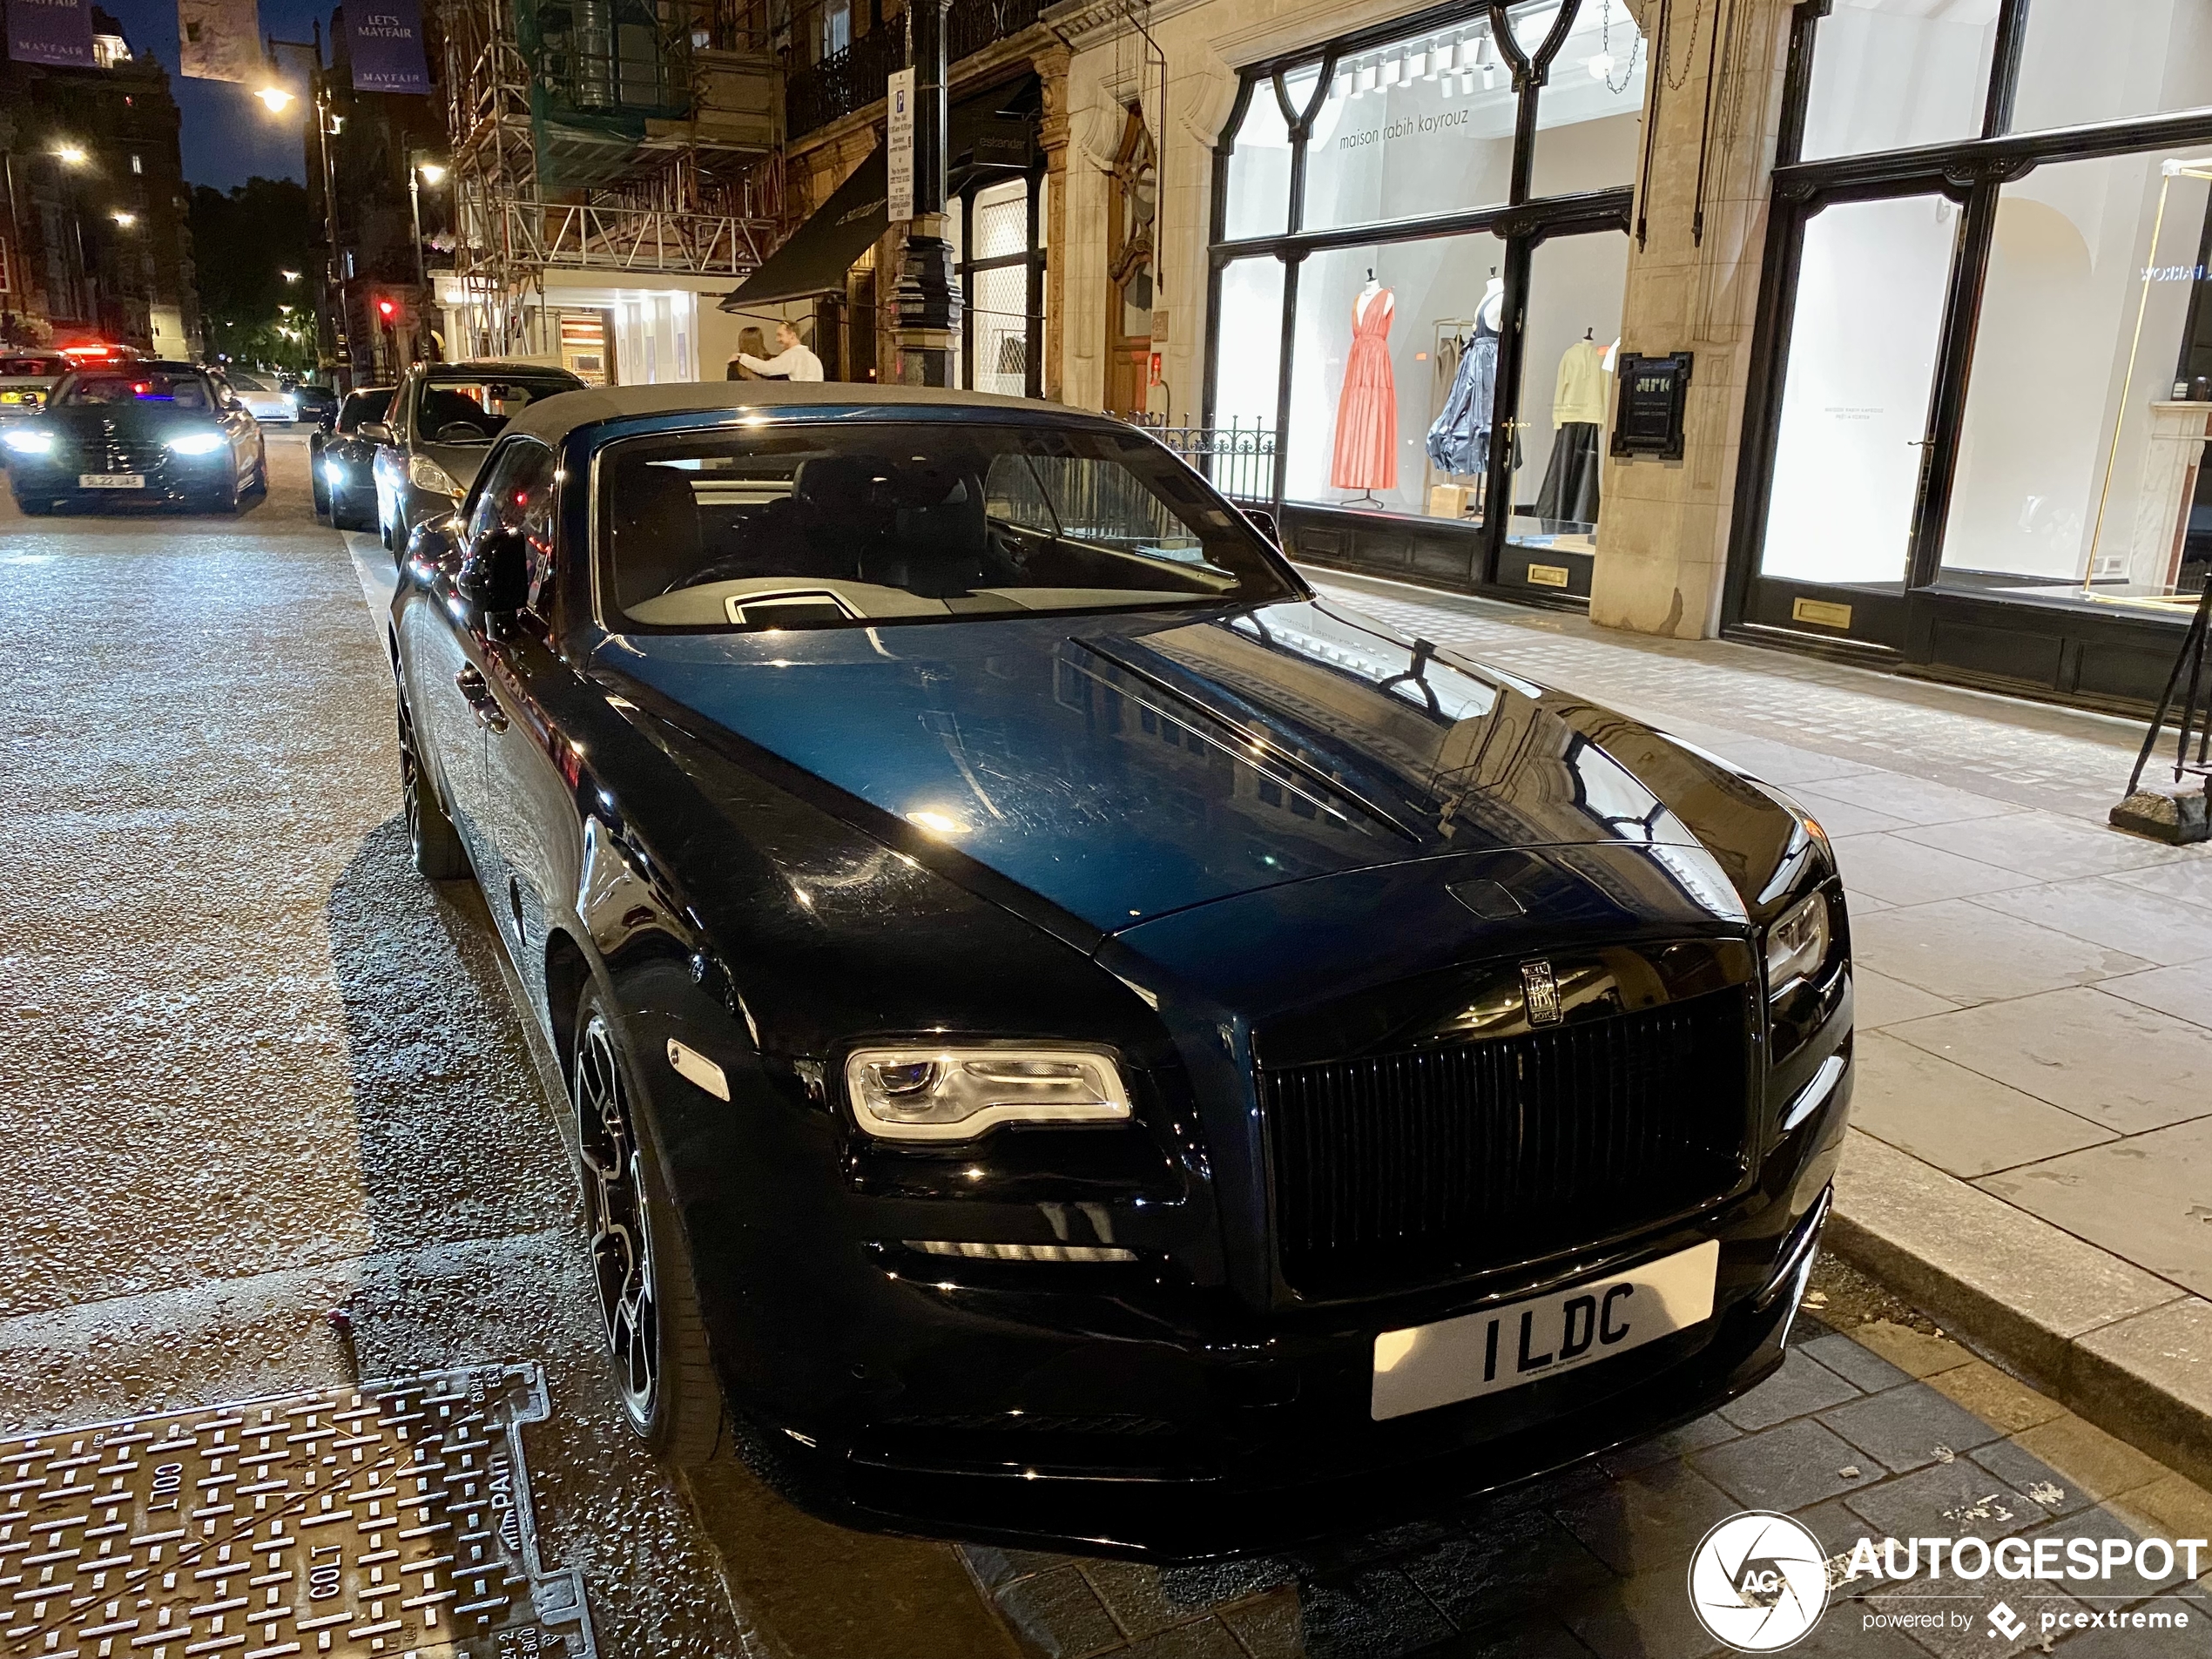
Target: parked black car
{"points": [[438, 431], [341, 461], [318, 405], [136, 432], [1074, 1036]]}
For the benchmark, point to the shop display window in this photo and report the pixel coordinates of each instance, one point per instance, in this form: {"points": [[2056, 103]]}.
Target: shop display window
{"points": [[1891, 74], [2093, 60], [1576, 285], [1248, 373], [1863, 340], [1259, 201], [1420, 126], [1386, 336], [2081, 461], [1589, 112]]}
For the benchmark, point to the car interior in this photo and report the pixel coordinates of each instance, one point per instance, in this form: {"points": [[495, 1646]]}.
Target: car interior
{"points": [[474, 411], [827, 537]]}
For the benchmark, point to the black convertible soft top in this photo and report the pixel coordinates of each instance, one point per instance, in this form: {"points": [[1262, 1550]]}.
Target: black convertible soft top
{"points": [[552, 419]]}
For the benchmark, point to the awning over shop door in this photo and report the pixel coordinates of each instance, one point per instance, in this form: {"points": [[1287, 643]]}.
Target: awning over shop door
{"points": [[820, 252]]}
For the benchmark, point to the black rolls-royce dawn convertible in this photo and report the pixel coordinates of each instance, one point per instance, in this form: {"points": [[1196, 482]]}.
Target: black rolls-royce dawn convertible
{"points": [[1073, 1037]]}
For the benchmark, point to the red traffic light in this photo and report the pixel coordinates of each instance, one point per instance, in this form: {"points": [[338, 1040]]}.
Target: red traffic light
{"points": [[387, 309]]}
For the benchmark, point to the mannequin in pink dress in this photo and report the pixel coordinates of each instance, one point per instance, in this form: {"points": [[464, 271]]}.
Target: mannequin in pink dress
{"points": [[1366, 457]]}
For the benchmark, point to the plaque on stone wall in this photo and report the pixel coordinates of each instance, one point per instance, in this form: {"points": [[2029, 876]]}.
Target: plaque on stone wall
{"points": [[1653, 393]]}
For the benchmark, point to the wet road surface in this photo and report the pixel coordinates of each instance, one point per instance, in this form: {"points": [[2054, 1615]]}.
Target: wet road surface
{"points": [[252, 1069]]}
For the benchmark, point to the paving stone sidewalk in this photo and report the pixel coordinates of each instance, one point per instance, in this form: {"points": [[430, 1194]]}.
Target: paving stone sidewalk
{"points": [[2034, 988], [1877, 1426]]}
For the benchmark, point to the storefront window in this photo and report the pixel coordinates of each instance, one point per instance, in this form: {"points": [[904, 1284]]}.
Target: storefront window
{"points": [[1421, 127], [1249, 367], [1386, 337], [2081, 459], [1855, 396], [1889, 74], [1259, 167], [1589, 111], [2090, 60], [1576, 285]]}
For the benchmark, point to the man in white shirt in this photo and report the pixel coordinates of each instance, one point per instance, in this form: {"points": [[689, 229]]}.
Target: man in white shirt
{"points": [[793, 362]]}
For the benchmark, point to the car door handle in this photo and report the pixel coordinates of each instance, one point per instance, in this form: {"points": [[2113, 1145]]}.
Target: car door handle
{"points": [[482, 702]]}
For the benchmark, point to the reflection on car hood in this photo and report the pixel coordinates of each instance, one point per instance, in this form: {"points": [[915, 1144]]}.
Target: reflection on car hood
{"points": [[1124, 766]]}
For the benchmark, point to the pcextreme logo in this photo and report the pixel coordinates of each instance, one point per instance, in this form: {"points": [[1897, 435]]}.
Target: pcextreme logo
{"points": [[1758, 1583]]}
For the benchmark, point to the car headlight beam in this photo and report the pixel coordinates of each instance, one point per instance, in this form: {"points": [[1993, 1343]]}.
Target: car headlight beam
{"points": [[956, 1093], [426, 473], [196, 443], [31, 442], [1797, 944]]}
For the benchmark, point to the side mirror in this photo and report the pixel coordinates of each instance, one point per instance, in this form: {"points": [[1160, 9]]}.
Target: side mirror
{"points": [[375, 431], [1264, 522], [495, 574]]}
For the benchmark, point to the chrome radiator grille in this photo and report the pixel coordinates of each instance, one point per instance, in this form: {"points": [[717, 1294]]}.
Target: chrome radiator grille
{"points": [[1400, 1170]]}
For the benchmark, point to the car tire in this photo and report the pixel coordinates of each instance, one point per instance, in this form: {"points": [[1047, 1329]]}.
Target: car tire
{"points": [[433, 843], [640, 1259], [261, 485], [33, 509], [343, 514], [323, 505]]}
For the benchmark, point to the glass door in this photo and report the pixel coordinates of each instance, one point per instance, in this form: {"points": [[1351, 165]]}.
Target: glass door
{"points": [[1852, 441]]}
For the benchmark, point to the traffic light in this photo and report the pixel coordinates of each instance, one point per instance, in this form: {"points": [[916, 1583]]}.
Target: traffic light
{"points": [[388, 312]]}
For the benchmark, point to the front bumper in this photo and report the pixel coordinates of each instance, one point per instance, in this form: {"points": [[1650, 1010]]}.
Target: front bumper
{"points": [[170, 480]]}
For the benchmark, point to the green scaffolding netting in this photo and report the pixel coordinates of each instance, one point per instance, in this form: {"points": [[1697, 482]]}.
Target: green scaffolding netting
{"points": [[599, 70]]}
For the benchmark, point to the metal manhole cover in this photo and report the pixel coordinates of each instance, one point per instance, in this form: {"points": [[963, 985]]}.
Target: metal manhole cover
{"points": [[392, 1519]]}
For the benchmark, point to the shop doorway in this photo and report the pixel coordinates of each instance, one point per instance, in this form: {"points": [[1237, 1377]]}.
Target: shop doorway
{"points": [[1851, 444], [1133, 210]]}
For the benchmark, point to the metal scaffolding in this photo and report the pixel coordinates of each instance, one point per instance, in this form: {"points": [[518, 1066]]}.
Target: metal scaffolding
{"points": [[632, 137]]}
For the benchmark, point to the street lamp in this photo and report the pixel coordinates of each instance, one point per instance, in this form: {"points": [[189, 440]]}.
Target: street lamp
{"points": [[419, 173], [276, 97], [289, 276], [69, 155], [123, 218]]}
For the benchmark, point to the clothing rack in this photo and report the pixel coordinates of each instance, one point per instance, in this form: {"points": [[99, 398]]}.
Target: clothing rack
{"points": [[1449, 337]]}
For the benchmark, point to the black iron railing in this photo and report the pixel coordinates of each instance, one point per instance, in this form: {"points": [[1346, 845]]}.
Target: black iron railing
{"points": [[852, 77], [1238, 458]]}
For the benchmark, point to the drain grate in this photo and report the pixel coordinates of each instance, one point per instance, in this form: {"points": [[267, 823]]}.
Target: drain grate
{"points": [[391, 1520]]}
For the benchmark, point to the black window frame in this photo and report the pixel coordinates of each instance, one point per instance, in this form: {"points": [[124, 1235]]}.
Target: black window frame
{"points": [[1031, 256], [1521, 222], [1969, 172]]}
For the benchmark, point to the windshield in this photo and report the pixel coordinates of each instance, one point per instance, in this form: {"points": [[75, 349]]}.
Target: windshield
{"points": [[825, 526], [364, 405], [32, 367], [181, 391], [474, 411], [246, 382]]}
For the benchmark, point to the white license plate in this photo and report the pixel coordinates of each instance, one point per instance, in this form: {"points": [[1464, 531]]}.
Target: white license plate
{"points": [[1429, 1366], [110, 480]]}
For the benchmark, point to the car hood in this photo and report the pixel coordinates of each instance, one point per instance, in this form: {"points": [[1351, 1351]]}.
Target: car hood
{"points": [[1125, 767], [91, 423]]}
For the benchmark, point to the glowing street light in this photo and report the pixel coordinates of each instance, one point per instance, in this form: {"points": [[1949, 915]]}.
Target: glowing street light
{"points": [[276, 97], [69, 155], [431, 171], [290, 276], [123, 218]]}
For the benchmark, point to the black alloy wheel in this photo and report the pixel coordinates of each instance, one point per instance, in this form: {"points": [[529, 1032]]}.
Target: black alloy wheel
{"points": [[433, 842], [648, 1306]]}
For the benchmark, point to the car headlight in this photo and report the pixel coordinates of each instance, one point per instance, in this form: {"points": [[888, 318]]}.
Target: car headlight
{"points": [[1797, 944], [426, 473], [29, 441], [955, 1093], [334, 472], [196, 443]]}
